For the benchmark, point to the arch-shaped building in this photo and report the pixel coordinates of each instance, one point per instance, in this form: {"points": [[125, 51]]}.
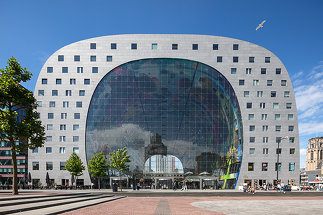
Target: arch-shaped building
{"points": [[202, 107]]}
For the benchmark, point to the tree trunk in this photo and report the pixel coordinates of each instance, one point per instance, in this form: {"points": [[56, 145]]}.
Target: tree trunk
{"points": [[14, 165], [120, 181], [99, 183]]}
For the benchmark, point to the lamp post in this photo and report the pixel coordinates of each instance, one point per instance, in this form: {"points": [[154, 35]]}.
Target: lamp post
{"points": [[279, 139]]}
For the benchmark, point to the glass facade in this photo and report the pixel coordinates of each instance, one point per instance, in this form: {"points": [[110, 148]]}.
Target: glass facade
{"points": [[181, 109]]}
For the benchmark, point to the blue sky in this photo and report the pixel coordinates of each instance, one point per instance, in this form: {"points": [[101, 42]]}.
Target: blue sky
{"points": [[31, 30]]}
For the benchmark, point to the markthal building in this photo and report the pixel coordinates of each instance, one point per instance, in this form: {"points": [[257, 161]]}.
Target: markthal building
{"points": [[208, 110]]}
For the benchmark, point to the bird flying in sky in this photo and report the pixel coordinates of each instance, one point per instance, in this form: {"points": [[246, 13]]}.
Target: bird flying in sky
{"points": [[260, 25]]}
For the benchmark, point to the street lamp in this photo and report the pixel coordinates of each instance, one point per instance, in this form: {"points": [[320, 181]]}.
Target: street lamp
{"points": [[279, 139]]}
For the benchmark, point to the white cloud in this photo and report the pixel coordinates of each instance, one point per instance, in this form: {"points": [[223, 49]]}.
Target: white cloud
{"points": [[302, 152], [311, 128]]}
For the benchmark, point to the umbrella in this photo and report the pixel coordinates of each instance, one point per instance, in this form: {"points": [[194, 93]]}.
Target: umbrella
{"points": [[47, 179], [188, 173], [29, 177], [204, 173]]}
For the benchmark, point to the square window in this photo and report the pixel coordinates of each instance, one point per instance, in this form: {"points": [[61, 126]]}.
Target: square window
{"points": [[63, 115], [41, 93], [49, 127], [51, 104], [62, 165], [262, 105], [267, 59], [264, 116], [251, 117], [62, 127], [76, 138], [278, 71], [263, 71], [77, 115], [77, 58], [113, 46], [233, 70], [273, 94], [93, 46], [66, 104], [58, 81], [109, 58], [249, 105], [288, 105], [251, 59], [251, 151], [35, 150], [265, 128], [39, 104], [286, 94], [291, 166], [54, 92], [252, 139], [264, 166], [82, 93], [92, 58], [292, 151], [235, 47], [248, 71], [133, 45], [250, 166], [235, 59], [68, 92], [62, 138], [215, 46], [276, 105], [50, 69], [154, 46], [290, 116], [76, 150], [49, 138], [60, 57], [291, 139], [79, 69], [265, 151], [265, 139], [252, 128], [283, 83], [49, 165], [195, 46], [241, 82], [255, 82], [78, 104], [72, 81], [76, 127], [269, 82], [36, 165], [174, 46], [219, 59], [290, 128], [44, 81], [278, 151], [86, 81], [50, 115], [48, 149], [278, 128], [64, 69], [246, 93], [95, 69], [260, 93], [278, 166], [62, 150]]}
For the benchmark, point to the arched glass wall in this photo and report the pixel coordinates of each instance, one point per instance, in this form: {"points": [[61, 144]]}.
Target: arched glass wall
{"points": [[165, 106]]}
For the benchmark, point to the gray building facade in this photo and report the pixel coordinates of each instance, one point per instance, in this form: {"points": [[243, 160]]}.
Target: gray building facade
{"points": [[218, 105]]}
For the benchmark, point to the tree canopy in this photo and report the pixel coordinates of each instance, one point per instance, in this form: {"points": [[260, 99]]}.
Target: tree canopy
{"points": [[98, 166], [18, 116], [75, 165]]}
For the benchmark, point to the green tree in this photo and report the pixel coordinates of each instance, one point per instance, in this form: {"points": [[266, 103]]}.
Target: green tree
{"points": [[75, 166], [119, 160], [19, 123], [98, 166]]}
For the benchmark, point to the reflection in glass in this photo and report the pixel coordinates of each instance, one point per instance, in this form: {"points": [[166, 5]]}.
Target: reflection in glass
{"points": [[168, 107]]}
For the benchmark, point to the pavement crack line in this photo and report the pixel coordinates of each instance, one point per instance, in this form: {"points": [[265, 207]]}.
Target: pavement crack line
{"points": [[163, 208]]}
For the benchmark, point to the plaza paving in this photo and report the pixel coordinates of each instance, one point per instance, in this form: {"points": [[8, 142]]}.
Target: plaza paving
{"points": [[160, 202]]}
